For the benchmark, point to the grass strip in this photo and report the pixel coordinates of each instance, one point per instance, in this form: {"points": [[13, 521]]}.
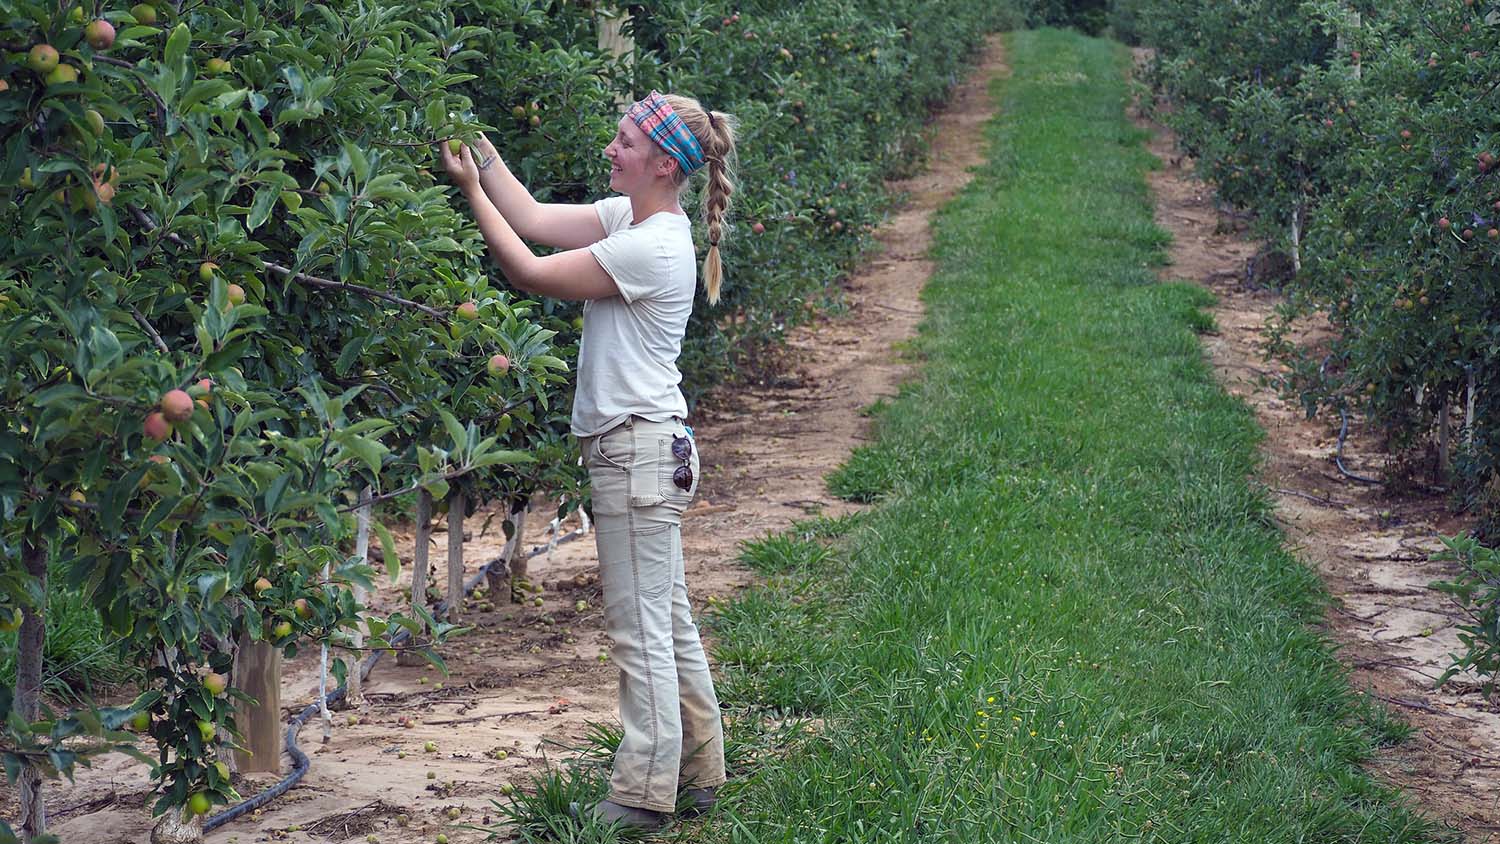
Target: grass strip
{"points": [[1071, 617]]}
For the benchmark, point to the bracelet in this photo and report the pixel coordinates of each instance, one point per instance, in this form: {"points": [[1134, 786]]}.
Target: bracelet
{"points": [[485, 164]]}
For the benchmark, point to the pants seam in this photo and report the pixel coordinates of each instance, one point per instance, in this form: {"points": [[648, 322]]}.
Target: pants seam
{"points": [[640, 630]]}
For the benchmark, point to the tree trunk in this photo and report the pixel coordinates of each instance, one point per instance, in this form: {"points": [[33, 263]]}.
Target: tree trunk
{"points": [[419, 571], [498, 572], [31, 819], [518, 558], [172, 829], [456, 505]]}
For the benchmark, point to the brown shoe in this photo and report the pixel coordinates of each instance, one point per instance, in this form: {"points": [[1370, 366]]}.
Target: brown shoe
{"points": [[699, 801], [611, 813]]}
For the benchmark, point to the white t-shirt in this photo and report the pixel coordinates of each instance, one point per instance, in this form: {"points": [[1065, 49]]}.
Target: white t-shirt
{"points": [[627, 359]]}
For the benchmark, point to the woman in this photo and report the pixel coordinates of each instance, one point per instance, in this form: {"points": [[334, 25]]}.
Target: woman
{"points": [[631, 259]]}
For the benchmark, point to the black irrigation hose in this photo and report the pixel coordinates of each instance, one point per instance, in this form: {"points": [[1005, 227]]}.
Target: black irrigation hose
{"points": [[1338, 457], [300, 763]]}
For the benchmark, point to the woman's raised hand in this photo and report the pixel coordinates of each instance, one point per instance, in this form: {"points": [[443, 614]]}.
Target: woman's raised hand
{"points": [[461, 167], [486, 152]]}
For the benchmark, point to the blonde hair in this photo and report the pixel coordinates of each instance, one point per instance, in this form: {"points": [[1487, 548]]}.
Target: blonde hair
{"points": [[715, 131]]}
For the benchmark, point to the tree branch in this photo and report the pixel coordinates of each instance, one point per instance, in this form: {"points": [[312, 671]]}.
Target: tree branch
{"points": [[368, 292], [140, 319], [161, 106], [312, 281]]}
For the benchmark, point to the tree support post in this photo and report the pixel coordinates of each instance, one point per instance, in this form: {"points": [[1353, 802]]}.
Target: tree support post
{"points": [[456, 504], [419, 571]]}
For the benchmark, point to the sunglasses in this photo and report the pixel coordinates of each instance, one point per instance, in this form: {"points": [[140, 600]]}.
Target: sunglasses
{"points": [[682, 449]]}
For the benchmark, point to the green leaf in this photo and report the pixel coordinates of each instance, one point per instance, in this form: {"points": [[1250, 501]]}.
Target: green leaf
{"points": [[503, 457], [388, 549], [456, 430], [549, 362], [438, 488], [370, 452], [260, 208], [436, 114], [177, 45]]}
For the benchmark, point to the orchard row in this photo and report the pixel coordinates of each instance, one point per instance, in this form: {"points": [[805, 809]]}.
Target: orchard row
{"points": [[1363, 137], [237, 301]]}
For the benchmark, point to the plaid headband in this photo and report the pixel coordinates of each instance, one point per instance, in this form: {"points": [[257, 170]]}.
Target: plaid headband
{"points": [[666, 128]]}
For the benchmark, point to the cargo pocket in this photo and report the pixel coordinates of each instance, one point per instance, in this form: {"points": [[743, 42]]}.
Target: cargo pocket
{"points": [[651, 554]]}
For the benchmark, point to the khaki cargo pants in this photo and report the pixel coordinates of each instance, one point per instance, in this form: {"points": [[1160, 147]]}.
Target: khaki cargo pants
{"points": [[673, 737]]}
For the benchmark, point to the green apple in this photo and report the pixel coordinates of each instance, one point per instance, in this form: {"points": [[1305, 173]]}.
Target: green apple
{"points": [[143, 13], [207, 731], [62, 74], [43, 58], [198, 804]]}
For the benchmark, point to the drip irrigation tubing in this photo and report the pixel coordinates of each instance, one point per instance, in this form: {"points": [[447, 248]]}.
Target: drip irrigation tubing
{"points": [[300, 763], [1338, 456]]}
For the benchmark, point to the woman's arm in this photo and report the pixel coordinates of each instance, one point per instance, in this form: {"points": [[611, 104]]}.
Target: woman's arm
{"points": [[552, 224], [574, 274]]}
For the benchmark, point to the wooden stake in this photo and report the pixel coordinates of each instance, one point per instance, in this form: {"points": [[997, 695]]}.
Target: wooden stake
{"points": [[419, 569], [1469, 411], [456, 505], [257, 673], [613, 40], [1442, 467]]}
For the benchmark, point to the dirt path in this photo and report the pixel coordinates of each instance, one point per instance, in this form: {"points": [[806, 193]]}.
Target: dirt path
{"points": [[530, 675], [1371, 547]]}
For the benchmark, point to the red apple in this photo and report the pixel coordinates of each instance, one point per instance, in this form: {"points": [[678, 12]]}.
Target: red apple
{"points": [[498, 365], [236, 294], [100, 34], [156, 426], [1444, 223], [177, 406], [468, 310], [759, 228]]}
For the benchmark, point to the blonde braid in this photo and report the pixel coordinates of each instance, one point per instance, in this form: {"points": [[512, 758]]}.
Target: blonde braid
{"points": [[716, 132]]}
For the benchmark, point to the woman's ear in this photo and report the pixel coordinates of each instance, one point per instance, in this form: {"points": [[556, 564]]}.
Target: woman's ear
{"points": [[666, 166]]}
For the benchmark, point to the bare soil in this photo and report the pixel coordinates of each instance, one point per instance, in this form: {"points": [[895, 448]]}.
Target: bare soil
{"points": [[528, 680], [1372, 546]]}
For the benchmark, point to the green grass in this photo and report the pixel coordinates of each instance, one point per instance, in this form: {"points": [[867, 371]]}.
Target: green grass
{"points": [[1070, 618], [77, 661]]}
